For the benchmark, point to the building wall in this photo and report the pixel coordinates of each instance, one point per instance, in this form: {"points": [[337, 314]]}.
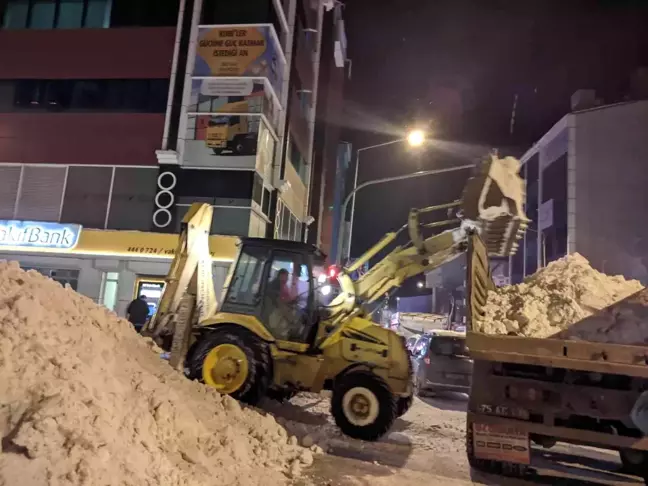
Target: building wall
{"points": [[124, 53], [610, 158], [80, 138], [91, 273], [586, 183]]}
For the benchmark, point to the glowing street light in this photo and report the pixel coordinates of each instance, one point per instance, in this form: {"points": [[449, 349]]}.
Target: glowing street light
{"points": [[420, 284], [416, 138]]}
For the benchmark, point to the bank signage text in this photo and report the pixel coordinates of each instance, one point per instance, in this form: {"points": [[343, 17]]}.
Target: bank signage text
{"points": [[32, 234]]}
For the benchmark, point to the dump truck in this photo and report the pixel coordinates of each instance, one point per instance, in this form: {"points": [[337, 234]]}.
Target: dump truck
{"points": [[234, 133], [530, 390], [273, 335]]}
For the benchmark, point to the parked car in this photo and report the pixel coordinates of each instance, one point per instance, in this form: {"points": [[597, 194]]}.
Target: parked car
{"points": [[410, 342], [441, 362]]}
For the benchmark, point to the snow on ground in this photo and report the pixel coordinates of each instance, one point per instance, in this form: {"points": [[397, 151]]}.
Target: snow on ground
{"points": [[428, 439]]}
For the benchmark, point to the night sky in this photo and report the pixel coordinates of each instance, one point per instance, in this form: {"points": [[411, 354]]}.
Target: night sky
{"points": [[456, 65]]}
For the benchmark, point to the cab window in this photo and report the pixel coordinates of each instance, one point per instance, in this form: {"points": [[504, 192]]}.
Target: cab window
{"points": [[287, 306], [245, 287]]}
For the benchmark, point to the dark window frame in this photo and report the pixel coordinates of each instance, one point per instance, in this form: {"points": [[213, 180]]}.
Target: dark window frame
{"points": [[75, 95]]}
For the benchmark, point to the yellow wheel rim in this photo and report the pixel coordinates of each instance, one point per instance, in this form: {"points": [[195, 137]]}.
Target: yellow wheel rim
{"points": [[225, 368]]}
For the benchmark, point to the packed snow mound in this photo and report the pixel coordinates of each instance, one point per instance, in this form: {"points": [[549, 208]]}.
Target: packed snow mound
{"points": [[85, 400], [551, 300]]}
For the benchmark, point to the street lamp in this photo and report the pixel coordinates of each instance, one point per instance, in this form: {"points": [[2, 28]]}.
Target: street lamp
{"points": [[415, 138], [420, 284]]}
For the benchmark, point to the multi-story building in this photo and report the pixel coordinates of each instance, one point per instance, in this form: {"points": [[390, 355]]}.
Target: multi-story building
{"points": [[586, 185], [331, 156], [145, 106]]}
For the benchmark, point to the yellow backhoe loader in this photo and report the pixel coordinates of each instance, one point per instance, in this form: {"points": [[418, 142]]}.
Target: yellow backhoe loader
{"points": [[274, 335]]}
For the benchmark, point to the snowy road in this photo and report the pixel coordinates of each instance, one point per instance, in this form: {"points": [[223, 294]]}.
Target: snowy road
{"points": [[426, 448]]}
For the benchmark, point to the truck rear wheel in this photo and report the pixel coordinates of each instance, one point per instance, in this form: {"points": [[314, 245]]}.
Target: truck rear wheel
{"points": [[233, 361], [488, 466], [634, 462], [363, 406]]}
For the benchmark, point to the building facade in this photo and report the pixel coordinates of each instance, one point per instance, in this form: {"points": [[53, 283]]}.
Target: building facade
{"points": [[331, 156], [586, 183], [144, 107]]}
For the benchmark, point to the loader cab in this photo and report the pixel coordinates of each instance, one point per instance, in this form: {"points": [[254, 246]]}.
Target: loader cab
{"points": [[276, 282]]}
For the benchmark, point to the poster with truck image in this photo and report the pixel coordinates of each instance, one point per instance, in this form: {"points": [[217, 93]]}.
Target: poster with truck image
{"points": [[240, 51], [222, 140], [214, 95], [232, 131]]}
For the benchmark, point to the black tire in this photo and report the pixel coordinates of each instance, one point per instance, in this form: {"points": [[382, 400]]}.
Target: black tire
{"points": [[403, 405], [280, 395], [488, 466], [256, 351], [386, 402], [634, 462]]}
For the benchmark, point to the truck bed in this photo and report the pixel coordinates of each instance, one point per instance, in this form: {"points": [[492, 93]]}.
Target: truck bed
{"points": [[557, 353]]}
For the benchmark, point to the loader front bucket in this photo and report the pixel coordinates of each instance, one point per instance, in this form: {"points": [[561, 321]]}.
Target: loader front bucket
{"points": [[494, 197]]}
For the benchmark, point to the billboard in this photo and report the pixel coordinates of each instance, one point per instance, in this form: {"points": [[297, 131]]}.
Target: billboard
{"points": [[241, 51], [233, 96]]}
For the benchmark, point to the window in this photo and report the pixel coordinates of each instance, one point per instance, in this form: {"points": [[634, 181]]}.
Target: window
{"points": [[288, 294], [131, 203], [98, 14], [257, 189], [64, 277], [98, 95], [15, 15], [265, 207], [59, 14], [109, 289], [298, 161], [70, 14], [245, 286], [86, 196], [9, 180], [231, 221], [247, 12], [41, 190], [143, 13]]}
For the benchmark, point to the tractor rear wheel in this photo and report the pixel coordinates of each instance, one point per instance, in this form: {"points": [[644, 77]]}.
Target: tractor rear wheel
{"points": [[233, 361], [363, 405]]}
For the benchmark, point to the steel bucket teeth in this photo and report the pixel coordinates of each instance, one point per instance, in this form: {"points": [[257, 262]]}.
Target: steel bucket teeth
{"points": [[494, 197]]}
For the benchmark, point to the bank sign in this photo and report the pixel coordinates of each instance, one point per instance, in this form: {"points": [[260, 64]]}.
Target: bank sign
{"points": [[32, 234]]}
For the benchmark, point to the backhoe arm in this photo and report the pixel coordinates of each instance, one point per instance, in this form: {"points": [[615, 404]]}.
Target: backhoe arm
{"points": [[491, 206], [188, 295]]}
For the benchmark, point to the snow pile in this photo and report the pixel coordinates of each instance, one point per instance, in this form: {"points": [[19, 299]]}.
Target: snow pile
{"points": [[554, 298], [84, 400]]}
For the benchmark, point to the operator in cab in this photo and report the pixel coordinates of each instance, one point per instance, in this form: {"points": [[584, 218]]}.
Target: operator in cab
{"points": [[137, 312], [283, 296]]}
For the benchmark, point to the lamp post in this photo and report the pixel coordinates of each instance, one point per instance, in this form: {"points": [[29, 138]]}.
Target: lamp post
{"points": [[385, 180], [415, 138]]}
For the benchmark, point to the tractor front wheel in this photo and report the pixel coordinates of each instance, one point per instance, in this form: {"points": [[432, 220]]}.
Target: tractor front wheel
{"points": [[363, 405], [234, 362]]}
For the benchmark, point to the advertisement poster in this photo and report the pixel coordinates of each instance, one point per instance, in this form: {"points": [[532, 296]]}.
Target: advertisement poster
{"points": [[232, 96], [250, 51], [222, 141]]}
